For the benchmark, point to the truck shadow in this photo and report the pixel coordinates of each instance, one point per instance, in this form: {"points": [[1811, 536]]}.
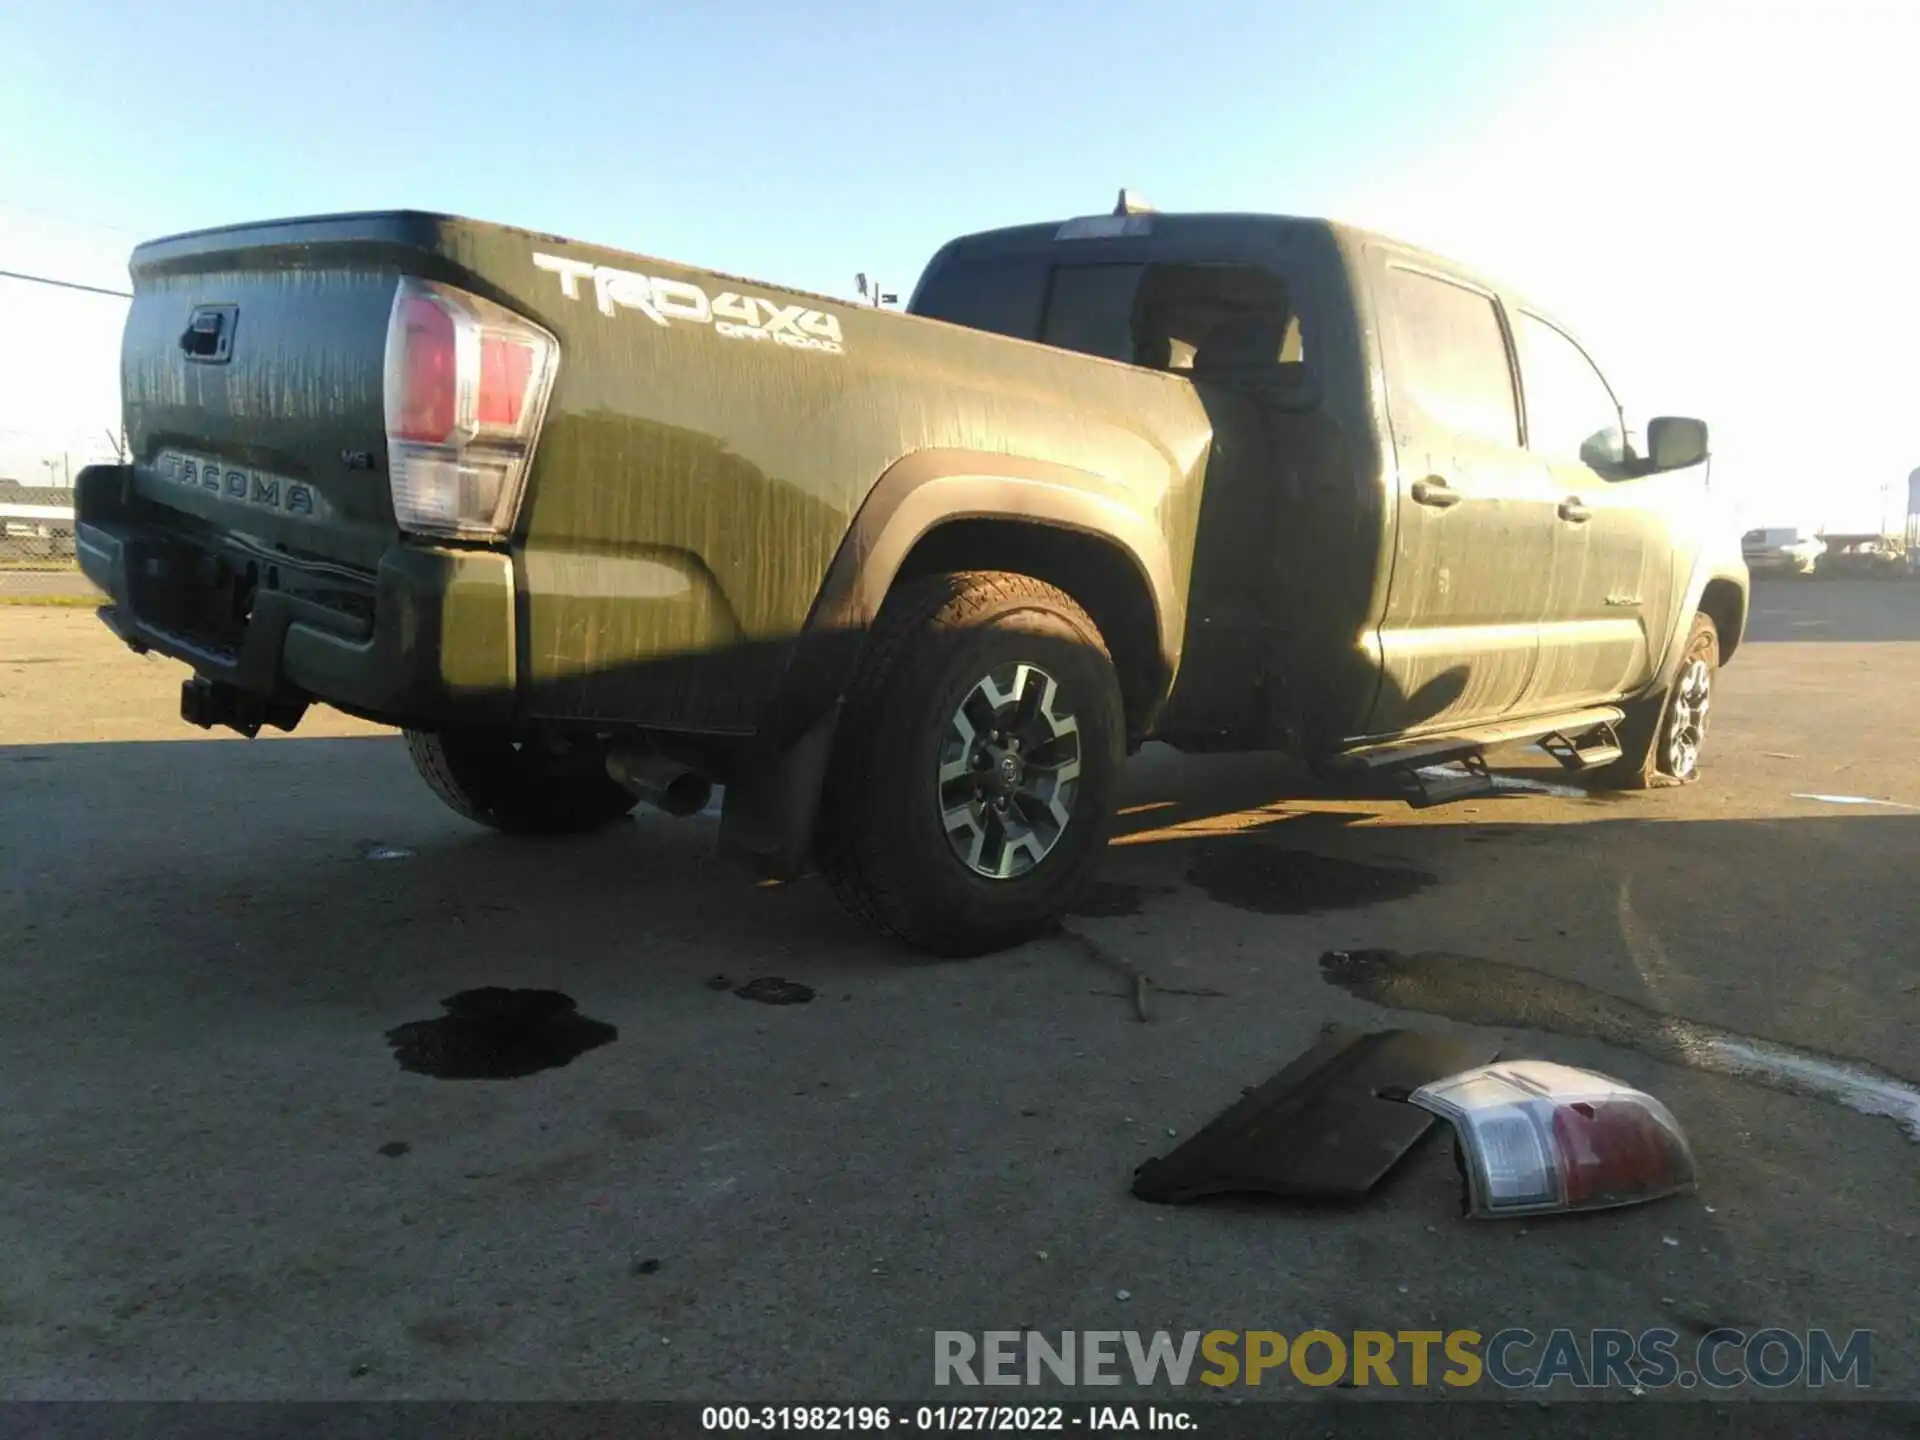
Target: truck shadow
{"points": [[315, 872]]}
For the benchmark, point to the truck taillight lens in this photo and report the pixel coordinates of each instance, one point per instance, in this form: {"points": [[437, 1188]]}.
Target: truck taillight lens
{"points": [[506, 368], [428, 371], [466, 389], [1538, 1137]]}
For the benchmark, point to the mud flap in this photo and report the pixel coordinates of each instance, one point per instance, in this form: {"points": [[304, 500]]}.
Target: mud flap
{"points": [[767, 815], [1638, 736]]}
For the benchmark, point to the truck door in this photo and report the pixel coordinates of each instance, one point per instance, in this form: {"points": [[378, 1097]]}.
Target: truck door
{"points": [[1474, 539], [1613, 555]]}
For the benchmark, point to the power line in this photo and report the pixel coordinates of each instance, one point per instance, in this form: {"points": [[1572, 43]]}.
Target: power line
{"points": [[64, 284]]}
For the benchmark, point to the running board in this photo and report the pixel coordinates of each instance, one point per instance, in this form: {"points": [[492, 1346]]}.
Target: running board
{"points": [[1432, 785], [1411, 754], [1598, 746]]}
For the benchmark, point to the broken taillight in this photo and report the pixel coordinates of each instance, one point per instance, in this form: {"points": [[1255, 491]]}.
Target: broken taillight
{"points": [[466, 388], [1535, 1137]]}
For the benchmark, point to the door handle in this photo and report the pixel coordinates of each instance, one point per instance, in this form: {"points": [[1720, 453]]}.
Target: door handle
{"points": [[1572, 510], [1435, 492], [208, 337]]}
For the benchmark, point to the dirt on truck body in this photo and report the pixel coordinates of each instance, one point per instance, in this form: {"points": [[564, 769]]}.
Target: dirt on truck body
{"points": [[594, 528]]}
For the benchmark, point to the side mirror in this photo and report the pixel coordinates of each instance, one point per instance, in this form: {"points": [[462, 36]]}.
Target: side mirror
{"points": [[1674, 443]]}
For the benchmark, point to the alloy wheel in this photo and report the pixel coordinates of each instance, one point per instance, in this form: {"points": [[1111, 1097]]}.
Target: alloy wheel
{"points": [[1009, 772], [1687, 726]]}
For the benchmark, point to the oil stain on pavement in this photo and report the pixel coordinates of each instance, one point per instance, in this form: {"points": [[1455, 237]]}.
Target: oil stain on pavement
{"points": [[1486, 992], [495, 1033], [1272, 881]]}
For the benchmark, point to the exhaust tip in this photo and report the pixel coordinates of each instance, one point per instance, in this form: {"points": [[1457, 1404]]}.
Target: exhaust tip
{"points": [[684, 795], [664, 784]]}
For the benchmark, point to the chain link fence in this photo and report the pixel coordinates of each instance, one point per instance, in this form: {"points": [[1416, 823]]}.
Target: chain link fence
{"points": [[37, 470], [26, 546], [36, 527]]}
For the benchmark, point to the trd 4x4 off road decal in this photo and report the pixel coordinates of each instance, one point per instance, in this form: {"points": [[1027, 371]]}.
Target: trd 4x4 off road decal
{"points": [[737, 317]]}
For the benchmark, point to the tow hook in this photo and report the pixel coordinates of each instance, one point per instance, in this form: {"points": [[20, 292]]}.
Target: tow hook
{"points": [[208, 703]]}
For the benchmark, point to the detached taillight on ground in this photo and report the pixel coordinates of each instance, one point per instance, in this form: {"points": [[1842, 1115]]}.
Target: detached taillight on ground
{"points": [[466, 389], [1536, 1137]]}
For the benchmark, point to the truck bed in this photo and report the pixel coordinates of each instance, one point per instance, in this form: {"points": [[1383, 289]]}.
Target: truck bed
{"points": [[707, 444]]}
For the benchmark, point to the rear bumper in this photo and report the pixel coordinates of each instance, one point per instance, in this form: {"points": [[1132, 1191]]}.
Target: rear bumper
{"points": [[428, 636]]}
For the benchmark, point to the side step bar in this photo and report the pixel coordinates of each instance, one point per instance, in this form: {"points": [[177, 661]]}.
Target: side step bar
{"points": [[1600, 746], [1580, 741], [1421, 787], [1409, 754]]}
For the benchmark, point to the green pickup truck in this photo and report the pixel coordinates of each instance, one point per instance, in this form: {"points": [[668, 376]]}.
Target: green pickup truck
{"points": [[593, 529]]}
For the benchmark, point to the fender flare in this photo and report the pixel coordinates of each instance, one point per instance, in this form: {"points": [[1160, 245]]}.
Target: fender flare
{"points": [[774, 794], [930, 488], [1705, 573]]}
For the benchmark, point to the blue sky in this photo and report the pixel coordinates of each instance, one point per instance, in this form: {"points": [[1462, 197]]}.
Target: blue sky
{"points": [[1622, 160], [800, 142]]}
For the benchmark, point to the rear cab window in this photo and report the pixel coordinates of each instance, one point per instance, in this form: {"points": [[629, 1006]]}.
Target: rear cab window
{"points": [[1089, 308], [1207, 320], [999, 293]]}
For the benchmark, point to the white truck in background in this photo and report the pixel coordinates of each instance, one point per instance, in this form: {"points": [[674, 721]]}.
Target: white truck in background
{"points": [[1782, 550]]}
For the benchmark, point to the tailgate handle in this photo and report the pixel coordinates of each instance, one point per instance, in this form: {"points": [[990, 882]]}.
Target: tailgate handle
{"points": [[208, 337]]}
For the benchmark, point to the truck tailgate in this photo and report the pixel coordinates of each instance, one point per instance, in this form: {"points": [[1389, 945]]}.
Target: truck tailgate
{"points": [[252, 377]]}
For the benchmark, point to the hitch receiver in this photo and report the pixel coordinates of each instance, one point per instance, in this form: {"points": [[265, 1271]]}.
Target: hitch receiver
{"points": [[208, 703]]}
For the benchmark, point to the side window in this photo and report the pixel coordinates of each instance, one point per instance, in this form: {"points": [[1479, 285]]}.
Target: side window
{"points": [[1224, 320], [1571, 414], [1090, 309], [1452, 362]]}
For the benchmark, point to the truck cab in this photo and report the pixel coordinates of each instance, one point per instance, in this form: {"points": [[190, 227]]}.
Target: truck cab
{"points": [[1422, 512]]}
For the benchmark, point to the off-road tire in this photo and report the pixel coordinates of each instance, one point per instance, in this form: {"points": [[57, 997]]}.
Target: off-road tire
{"points": [[1647, 731], [879, 839], [524, 785]]}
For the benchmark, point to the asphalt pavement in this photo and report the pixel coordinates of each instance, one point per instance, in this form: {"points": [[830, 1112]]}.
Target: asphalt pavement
{"points": [[220, 1181], [24, 585]]}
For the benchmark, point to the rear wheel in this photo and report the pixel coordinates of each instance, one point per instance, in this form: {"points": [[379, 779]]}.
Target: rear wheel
{"points": [[1661, 739], [971, 785], [522, 784]]}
